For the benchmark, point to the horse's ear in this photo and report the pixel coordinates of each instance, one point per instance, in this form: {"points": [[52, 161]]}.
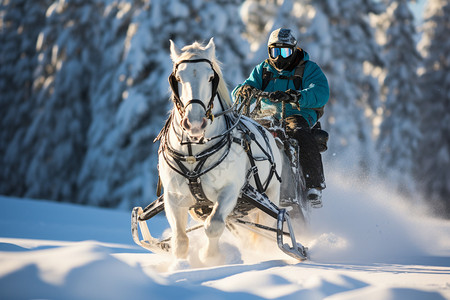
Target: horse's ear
{"points": [[211, 48], [174, 51]]}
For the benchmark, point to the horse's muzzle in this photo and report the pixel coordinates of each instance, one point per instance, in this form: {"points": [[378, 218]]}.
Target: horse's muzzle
{"points": [[196, 128]]}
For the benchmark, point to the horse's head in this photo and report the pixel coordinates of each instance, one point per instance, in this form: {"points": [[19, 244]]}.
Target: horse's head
{"points": [[194, 83]]}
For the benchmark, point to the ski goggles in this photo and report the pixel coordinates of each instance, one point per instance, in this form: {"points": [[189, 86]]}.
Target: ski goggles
{"points": [[277, 51]]}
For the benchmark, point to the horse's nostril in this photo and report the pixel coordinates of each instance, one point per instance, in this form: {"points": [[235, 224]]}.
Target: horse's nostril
{"points": [[204, 123], [186, 123]]}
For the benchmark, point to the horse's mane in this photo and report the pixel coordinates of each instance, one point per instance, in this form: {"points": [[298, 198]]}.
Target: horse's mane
{"points": [[197, 51]]}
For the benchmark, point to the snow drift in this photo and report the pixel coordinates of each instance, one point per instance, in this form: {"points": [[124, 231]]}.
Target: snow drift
{"points": [[365, 243]]}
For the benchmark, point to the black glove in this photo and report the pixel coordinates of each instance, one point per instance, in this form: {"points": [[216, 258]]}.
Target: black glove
{"points": [[280, 96]]}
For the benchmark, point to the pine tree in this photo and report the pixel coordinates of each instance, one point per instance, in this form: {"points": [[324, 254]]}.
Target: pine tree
{"points": [[84, 90], [399, 130], [261, 17], [57, 133], [354, 91], [258, 17], [124, 104], [21, 22], [433, 159]]}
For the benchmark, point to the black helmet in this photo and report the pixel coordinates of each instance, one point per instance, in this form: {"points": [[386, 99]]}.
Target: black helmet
{"points": [[281, 46]]}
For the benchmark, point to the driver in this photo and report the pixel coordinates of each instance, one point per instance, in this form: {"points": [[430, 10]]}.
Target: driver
{"points": [[291, 77]]}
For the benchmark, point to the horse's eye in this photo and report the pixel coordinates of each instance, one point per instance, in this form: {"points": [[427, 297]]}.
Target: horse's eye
{"points": [[178, 78], [211, 78]]}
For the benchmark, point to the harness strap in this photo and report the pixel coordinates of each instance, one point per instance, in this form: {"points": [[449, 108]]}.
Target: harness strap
{"points": [[254, 168], [158, 187], [245, 142], [197, 172], [297, 77], [200, 156], [165, 129], [195, 101], [273, 170], [196, 188]]}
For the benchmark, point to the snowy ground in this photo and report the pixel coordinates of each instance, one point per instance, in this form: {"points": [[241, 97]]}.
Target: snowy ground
{"points": [[364, 244]]}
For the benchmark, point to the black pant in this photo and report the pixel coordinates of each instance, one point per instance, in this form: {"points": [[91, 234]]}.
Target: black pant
{"points": [[309, 155]]}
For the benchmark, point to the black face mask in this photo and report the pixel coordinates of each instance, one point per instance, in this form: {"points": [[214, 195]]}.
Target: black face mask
{"points": [[288, 63], [281, 63]]}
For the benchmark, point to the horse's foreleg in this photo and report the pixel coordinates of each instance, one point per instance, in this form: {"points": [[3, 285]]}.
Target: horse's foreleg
{"points": [[215, 225], [177, 217]]}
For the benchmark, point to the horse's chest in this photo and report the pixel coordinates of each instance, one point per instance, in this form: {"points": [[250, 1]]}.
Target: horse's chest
{"points": [[210, 184]]}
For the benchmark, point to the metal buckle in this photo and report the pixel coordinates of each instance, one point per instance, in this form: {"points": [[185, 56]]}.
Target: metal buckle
{"points": [[191, 160]]}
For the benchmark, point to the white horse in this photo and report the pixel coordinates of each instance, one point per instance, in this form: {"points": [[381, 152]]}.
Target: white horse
{"points": [[197, 126]]}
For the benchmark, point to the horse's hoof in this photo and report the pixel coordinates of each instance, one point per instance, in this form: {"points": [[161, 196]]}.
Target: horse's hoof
{"points": [[211, 260]]}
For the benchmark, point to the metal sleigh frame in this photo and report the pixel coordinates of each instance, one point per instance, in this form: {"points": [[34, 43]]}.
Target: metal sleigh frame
{"points": [[249, 197]]}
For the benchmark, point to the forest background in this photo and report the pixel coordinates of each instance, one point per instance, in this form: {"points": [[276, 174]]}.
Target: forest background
{"points": [[84, 90]]}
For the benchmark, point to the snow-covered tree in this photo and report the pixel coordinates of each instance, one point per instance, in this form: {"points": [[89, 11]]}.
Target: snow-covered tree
{"points": [[84, 90], [56, 136], [259, 17], [353, 53], [20, 24], [113, 168], [399, 135], [201, 20], [433, 160], [84, 86]]}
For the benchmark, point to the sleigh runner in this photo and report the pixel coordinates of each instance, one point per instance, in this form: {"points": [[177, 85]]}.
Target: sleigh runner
{"points": [[251, 197], [198, 140]]}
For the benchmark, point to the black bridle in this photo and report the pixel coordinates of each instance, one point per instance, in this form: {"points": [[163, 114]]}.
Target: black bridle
{"points": [[176, 97]]}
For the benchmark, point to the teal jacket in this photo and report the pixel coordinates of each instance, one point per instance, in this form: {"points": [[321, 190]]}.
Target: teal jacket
{"points": [[315, 92]]}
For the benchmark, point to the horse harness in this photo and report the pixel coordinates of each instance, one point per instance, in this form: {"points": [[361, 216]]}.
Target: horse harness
{"points": [[203, 204]]}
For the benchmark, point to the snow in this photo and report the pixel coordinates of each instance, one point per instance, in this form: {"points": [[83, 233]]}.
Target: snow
{"points": [[365, 243]]}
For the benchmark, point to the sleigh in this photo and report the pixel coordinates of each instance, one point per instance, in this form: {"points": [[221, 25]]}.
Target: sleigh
{"points": [[290, 215], [209, 131]]}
